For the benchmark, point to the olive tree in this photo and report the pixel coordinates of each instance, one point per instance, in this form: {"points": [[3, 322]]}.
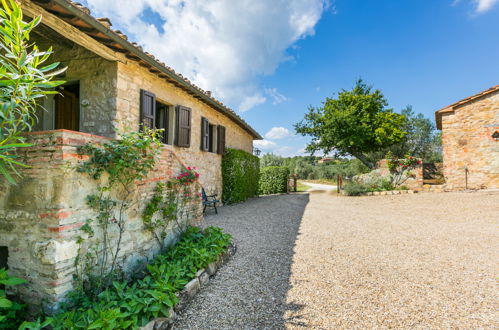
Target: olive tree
{"points": [[25, 78]]}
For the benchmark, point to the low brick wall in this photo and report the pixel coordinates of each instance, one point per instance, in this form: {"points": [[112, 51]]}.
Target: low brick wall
{"points": [[40, 217]]}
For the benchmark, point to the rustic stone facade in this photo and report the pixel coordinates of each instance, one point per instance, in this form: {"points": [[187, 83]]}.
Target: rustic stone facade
{"points": [[41, 217], [132, 78], [470, 152], [97, 86]]}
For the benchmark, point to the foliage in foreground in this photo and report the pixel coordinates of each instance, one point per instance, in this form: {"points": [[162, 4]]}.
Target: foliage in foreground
{"points": [[240, 173], [132, 305], [24, 79], [10, 311], [125, 160], [273, 180]]}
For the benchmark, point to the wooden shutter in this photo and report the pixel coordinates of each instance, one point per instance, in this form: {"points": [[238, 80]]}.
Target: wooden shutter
{"points": [[220, 140], [183, 126], [147, 109], [205, 134]]}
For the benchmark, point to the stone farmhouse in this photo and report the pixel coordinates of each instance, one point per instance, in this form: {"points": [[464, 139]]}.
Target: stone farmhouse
{"points": [[111, 85], [470, 137]]}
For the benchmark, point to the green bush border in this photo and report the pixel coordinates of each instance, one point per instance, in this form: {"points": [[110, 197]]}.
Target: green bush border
{"points": [[273, 180], [240, 175]]}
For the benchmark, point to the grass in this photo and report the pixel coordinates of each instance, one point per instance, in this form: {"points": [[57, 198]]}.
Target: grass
{"points": [[300, 187], [322, 181]]}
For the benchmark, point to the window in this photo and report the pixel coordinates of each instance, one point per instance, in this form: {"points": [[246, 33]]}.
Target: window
{"points": [[162, 120], [208, 136], [154, 114], [205, 134], [212, 145]]}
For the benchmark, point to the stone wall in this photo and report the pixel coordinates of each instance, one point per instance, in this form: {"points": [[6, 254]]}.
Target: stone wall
{"points": [[97, 79], [132, 78], [110, 100], [41, 217], [468, 147]]}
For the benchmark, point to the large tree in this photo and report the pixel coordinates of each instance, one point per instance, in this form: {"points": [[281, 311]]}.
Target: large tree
{"points": [[357, 122]]}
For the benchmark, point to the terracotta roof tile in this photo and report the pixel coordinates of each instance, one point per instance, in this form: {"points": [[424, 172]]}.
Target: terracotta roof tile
{"points": [[451, 107]]}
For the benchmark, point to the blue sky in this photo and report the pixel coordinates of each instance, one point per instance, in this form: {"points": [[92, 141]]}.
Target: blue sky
{"points": [[270, 60]]}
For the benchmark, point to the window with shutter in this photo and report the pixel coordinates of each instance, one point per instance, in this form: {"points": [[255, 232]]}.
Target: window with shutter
{"points": [[162, 120], [212, 147], [220, 140], [205, 134], [183, 126], [147, 109]]}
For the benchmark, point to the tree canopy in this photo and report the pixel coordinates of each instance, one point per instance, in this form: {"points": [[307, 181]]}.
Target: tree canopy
{"points": [[357, 122]]}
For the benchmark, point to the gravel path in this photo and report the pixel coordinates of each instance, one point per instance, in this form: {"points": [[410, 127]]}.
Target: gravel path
{"points": [[318, 186], [321, 261]]}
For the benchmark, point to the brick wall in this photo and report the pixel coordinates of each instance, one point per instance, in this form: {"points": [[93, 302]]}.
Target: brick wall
{"points": [[40, 218], [468, 144]]}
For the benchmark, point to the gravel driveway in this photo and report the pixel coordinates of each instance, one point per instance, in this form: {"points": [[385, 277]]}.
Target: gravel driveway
{"points": [[322, 261]]}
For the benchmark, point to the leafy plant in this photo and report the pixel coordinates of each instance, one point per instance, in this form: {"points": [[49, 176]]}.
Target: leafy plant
{"points": [[273, 180], [240, 173], [400, 168], [10, 311], [126, 305], [172, 202], [25, 78], [125, 160], [355, 189]]}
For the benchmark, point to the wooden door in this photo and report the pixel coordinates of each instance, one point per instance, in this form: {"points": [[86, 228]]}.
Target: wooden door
{"points": [[66, 110]]}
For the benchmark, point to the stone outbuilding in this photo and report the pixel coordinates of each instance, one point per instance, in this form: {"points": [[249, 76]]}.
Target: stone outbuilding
{"points": [[470, 139], [111, 85]]}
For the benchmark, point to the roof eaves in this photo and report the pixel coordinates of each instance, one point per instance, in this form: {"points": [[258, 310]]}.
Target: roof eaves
{"points": [[118, 37]]}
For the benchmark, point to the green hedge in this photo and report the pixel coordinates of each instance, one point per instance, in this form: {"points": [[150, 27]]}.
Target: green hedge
{"points": [[273, 180], [240, 173]]}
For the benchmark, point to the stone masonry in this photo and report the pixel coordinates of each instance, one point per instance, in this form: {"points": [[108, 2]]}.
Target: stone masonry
{"points": [[470, 152], [40, 218]]}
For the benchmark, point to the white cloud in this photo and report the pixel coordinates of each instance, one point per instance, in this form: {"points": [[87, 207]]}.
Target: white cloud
{"points": [[275, 95], [484, 5], [251, 101], [221, 45], [277, 133], [265, 144]]}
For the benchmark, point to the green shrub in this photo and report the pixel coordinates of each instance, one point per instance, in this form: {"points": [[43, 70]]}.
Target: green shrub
{"points": [[240, 173], [132, 305], [355, 189], [10, 311], [273, 180]]}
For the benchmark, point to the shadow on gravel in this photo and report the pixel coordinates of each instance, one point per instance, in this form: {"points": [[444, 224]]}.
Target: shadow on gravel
{"points": [[250, 291]]}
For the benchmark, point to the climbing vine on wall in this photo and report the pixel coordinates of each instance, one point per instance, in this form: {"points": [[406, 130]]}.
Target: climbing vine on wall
{"points": [[117, 165], [175, 203]]}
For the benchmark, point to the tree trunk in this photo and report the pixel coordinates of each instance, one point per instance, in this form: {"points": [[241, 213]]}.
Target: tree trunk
{"points": [[363, 159]]}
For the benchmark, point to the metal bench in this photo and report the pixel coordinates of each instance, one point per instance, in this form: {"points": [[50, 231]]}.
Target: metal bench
{"points": [[209, 201]]}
